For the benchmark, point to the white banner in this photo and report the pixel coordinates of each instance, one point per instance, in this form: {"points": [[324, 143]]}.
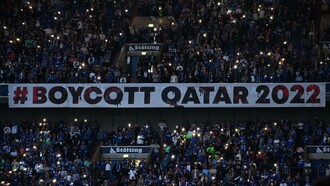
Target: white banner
{"points": [[194, 95]]}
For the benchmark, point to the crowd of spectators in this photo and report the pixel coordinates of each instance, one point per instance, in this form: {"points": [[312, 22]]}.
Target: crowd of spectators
{"points": [[248, 153], [46, 153], [238, 41], [207, 41], [60, 41]]}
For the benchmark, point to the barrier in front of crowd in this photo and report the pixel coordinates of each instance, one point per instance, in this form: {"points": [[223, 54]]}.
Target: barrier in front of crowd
{"points": [[167, 95], [125, 152], [140, 49], [317, 152]]}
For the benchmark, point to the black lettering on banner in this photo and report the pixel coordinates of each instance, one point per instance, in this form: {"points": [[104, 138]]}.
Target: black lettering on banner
{"points": [[62, 99], [300, 91], [118, 98], [131, 92], [87, 95], [240, 93], [75, 94], [265, 92], [147, 91], [275, 96], [222, 95], [314, 97], [175, 91], [39, 95], [190, 95], [206, 92]]}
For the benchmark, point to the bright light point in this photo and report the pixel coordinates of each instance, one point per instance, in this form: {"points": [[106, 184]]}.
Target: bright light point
{"points": [[85, 120], [219, 3], [55, 18], [75, 119], [4, 27], [204, 35], [126, 10], [18, 39], [284, 42], [271, 17]]}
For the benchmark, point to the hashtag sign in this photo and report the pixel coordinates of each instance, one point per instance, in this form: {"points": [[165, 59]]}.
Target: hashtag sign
{"points": [[20, 95]]}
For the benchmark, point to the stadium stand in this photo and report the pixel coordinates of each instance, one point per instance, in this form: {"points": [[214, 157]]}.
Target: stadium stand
{"points": [[46, 153], [252, 152], [207, 41]]}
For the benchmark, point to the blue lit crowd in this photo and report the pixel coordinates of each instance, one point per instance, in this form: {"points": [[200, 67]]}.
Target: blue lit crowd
{"points": [[57, 153], [208, 41], [252, 152]]}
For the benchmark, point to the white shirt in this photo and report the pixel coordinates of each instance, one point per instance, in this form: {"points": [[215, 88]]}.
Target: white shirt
{"points": [[108, 167], [174, 79], [123, 79], [131, 174], [39, 168], [140, 140], [14, 129]]}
